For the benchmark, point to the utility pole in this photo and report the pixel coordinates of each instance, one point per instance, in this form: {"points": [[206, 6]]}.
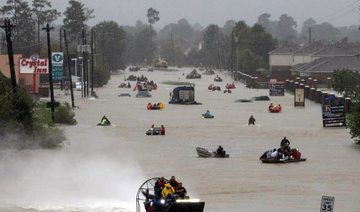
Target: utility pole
{"points": [[232, 52], [92, 61], [48, 29], [62, 80], [69, 69], [85, 63], [309, 35], [7, 26]]}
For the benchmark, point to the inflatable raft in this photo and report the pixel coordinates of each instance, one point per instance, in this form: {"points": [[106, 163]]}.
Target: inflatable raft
{"points": [[290, 160], [207, 117], [276, 109]]}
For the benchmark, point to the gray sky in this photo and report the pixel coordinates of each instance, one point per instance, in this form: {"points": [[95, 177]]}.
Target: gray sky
{"points": [[126, 12]]}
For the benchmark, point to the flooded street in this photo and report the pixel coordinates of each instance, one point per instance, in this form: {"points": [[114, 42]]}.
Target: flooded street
{"points": [[101, 168]]}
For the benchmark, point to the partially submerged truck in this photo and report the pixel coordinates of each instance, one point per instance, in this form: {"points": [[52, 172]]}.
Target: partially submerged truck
{"points": [[183, 95]]}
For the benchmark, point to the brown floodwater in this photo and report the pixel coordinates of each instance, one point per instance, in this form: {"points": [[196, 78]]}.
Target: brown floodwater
{"points": [[101, 168]]}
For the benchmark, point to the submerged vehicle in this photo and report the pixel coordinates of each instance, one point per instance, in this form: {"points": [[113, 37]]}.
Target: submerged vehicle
{"points": [[183, 95], [261, 98], [156, 131], [124, 94], [202, 152], [146, 195]]}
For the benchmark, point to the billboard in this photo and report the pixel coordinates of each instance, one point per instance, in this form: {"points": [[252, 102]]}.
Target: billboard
{"points": [[277, 89], [299, 99], [57, 60], [34, 65], [333, 115]]}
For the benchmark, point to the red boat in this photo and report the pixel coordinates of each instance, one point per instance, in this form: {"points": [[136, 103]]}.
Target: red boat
{"points": [[230, 86]]}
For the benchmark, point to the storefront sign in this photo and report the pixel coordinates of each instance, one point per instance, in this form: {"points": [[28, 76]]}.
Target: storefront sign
{"points": [[34, 65], [333, 115]]}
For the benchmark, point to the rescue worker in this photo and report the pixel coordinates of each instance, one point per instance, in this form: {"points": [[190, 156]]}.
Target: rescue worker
{"points": [[285, 144], [161, 105], [220, 151], [105, 121], [181, 191], [159, 186], [173, 182], [251, 120]]}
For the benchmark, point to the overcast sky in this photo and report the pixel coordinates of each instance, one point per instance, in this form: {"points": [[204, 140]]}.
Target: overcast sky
{"points": [[126, 12]]}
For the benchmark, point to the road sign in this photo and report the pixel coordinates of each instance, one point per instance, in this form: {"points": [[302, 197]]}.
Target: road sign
{"points": [[277, 89], [333, 116], [57, 65], [299, 97], [327, 204], [84, 48]]}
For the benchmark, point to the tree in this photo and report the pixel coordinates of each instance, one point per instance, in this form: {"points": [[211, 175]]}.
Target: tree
{"points": [[110, 44], [211, 45], [249, 62], [76, 16], [347, 82], [354, 121], [286, 27], [153, 16], [24, 33], [44, 14]]}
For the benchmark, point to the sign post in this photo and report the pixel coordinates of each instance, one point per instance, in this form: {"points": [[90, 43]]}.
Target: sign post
{"points": [[333, 115], [34, 65], [327, 204], [57, 65], [299, 97], [277, 89]]}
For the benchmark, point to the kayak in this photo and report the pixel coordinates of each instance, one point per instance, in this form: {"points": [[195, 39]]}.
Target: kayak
{"points": [[205, 153], [207, 117], [272, 160]]}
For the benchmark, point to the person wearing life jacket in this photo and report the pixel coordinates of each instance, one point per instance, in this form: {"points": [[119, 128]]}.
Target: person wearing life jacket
{"points": [[207, 114], [279, 107], [181, 191], [251, 120], [220, 151], [149, 106], [105, 121], [285, 144], [210, 86], [161, 105], [173, 182], [271, 106], [229, 91], [167, 191], [162, 130], [159, 186], [128, 85]]}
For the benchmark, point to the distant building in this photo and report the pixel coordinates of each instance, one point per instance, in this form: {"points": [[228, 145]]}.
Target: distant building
{"points": [[24, 80]]}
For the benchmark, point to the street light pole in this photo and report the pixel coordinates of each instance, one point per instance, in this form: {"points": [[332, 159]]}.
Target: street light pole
{"points": [[75, 60]]}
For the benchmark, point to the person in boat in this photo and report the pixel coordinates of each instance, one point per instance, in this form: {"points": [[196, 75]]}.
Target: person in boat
{"points": [[167, 191], [159, 186], [162, 130], [207, 114], [251, 120], [271, 106], [220, 151], [152, 128], [285, 144], [161, 105], [128, 85], [295, 154], [105, 121], [181, 191], [173, 182], [149, 106], [279, 107]]}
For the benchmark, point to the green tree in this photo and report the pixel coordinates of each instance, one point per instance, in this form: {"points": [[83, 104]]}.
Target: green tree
{"points": [[249, 62], [24, 33], [153, 16], [285, 27], [211, 45], [346, 82], [76, 16], [110, 44], [44, 14], [102, 75], [354, 121]]}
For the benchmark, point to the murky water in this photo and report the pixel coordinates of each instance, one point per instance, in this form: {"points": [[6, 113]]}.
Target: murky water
{"points": [[102, 167]]}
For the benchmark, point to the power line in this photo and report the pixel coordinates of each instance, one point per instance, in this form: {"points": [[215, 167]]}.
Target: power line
{"points": [[353, 4]]}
